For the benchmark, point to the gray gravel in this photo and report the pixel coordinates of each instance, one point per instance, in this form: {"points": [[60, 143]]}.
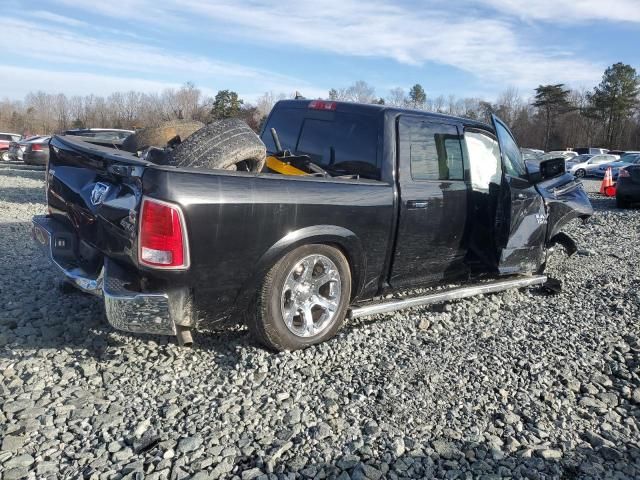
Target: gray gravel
{"points": [[516, 384]]}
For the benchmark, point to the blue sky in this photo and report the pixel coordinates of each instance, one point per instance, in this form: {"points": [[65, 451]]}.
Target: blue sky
{"points": [[463, 47]]}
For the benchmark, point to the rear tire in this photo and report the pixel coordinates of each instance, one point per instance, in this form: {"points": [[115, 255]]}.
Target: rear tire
{"points": [[227, 144], [293, 286], [160, 135], [5, 156], [581, 173]]}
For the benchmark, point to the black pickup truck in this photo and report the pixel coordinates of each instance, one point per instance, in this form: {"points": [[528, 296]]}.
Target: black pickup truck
{"points": [[397, 199]]}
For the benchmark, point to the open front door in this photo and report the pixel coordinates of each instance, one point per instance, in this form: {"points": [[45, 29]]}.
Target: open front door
{"points": [[521, 220]]}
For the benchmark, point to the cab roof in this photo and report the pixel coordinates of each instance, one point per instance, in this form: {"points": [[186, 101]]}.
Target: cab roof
{"points": [[371, 109]]}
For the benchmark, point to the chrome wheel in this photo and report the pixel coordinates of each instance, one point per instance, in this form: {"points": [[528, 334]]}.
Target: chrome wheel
{"points": [[580, 173], [311, 296]]}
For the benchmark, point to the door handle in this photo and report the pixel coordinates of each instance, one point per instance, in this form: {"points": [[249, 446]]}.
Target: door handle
{"points": [[417, 204], [521, 196]]}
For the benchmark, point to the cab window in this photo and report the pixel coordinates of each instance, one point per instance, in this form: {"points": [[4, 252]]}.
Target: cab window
{"points": [[433, 150]]}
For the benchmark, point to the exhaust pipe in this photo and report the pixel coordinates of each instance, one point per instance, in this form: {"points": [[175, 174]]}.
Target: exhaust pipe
{"points": [[183, 335]]}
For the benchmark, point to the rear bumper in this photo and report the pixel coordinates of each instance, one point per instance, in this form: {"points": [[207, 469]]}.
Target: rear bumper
{"points": [[126, 309], [628, 190], [35, 158]]}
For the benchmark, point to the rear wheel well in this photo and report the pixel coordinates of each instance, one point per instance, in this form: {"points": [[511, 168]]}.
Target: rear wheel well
{"points": [[354, 273]]}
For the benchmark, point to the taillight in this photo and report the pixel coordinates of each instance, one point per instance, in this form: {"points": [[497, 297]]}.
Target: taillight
{"points": [[322, 105], [162, 239], [36, 147], [623, 172]]}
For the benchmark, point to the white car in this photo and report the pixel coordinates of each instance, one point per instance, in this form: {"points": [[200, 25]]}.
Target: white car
{"points": [[566, 154], [585, 165]]}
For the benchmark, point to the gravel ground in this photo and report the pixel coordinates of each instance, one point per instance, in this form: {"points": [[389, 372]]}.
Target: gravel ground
{"points": [[517, 384]]}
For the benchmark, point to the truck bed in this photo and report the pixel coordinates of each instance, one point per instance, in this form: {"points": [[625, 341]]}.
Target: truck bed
{"points": [[237, 222]]}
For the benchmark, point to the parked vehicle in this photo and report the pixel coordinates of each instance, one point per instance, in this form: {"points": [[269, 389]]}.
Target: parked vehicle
{"points": [[566, 154], [36, 152], [107, 137], [589, 166], [624, 161], [391, 199], [590, 150], [16, 149], [5, 141], [628, 185], [531, 154]]}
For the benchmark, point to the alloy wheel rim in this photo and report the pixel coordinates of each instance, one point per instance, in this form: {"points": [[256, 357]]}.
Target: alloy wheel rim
{"points": [[311, 296]]}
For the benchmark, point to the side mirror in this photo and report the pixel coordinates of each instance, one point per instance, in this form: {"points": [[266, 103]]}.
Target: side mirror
{"points": [[551, 168]]}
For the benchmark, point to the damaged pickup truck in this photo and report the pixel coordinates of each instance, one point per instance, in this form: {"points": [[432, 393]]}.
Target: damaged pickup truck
{"points": [[353, 203]]}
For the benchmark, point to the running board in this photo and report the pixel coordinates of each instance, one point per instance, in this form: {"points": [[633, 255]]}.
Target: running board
{"points": [[446, 295]]}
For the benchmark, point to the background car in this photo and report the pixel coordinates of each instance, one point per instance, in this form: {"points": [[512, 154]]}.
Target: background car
{"points": [[626, 160], [36, 152], [591, 150], [5, 141], [570, 162], [566, 154], [107, 137], [531, 153], [628, 185], [16, 149], [590, 166]]}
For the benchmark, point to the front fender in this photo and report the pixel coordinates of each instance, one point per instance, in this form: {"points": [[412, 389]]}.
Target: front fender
{"points": [[345, 239], [565, 200]]}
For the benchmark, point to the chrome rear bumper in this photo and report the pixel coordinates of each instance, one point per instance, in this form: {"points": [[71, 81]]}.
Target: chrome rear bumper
{"points": [[126, 309]]}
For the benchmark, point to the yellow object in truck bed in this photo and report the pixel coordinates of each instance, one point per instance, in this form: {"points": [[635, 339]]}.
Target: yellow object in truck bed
{"points": [[284, 168]]}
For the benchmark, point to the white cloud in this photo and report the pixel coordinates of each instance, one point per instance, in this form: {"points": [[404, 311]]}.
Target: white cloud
{"points": [[54, 17], [84, 52], [18, 81], [491, 47], [488, 48], [570, 11]]}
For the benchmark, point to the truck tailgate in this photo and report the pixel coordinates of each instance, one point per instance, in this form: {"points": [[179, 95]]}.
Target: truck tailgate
{"points": [[95, 192]]}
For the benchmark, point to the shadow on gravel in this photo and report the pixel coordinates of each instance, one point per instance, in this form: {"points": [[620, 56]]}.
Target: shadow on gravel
{"points": [[455, 460], [37, 174], [22, 195]]}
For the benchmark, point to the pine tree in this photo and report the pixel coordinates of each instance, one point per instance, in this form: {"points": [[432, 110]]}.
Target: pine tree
{"points": [[226, 104], [417, 96], [615, 99], [551, 100]]}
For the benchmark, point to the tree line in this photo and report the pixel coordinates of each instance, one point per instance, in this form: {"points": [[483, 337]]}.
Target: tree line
{"points": [[554, 117]]}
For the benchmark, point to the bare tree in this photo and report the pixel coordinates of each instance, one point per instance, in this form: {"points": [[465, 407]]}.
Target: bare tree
{"points": [[397, 97]]}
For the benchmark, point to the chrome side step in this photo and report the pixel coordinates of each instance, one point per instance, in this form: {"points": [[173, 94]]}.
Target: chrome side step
{"points": [[446, 295]]}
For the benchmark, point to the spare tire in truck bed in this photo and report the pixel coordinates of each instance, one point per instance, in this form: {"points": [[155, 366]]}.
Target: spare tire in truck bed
{"points": [[227, 144], [160, 135]]}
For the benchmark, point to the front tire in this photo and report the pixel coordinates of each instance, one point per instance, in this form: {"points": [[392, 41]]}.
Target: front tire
{"points": [[5, 156], [303, 299], [581, 173]]}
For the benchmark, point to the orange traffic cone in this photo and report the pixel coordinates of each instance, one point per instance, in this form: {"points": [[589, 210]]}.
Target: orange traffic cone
{"points": [[607, 182]]}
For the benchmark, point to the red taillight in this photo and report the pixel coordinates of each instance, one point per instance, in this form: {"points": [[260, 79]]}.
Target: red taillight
{"points": [[623, 172], [322, 105], [36, 147], [162, 236]]}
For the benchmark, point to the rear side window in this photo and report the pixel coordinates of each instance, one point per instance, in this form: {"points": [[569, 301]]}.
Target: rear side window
{"points": [[341, 143], [433, 150]]}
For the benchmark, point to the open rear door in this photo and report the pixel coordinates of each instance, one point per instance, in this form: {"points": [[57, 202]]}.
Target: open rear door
{"points": [[521, 219]]}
